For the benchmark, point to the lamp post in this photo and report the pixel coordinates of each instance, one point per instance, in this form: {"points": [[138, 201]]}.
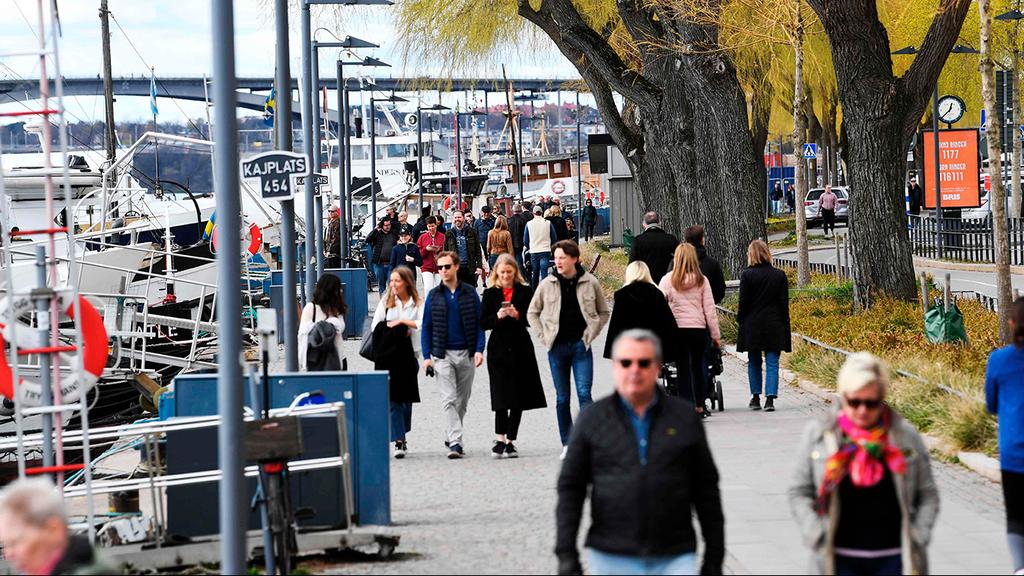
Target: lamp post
{"points": [[579, 156], [373, 151], [1014, 16], [419, 145], [458, 153]]}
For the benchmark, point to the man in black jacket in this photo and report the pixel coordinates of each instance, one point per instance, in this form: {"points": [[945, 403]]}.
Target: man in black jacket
{"points": [[647, 460], [381, 242], [709, 267], [654, 247], [915, 196], [516, 226]]}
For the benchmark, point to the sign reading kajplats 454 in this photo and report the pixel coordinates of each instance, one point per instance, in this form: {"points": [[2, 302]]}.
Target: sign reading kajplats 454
{"points": [[276, 171]]}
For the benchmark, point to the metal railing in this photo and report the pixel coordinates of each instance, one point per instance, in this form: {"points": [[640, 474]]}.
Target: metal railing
{"points": [[963, 239]]}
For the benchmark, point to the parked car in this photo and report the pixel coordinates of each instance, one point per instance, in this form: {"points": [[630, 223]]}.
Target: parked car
{"points": [[813, 199]]}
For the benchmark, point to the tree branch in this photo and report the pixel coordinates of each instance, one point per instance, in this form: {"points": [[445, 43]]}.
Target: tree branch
{"points": [[640, 22]]}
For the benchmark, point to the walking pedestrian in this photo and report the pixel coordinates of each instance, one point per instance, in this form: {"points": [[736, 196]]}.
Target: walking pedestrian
{"points": [[539, 237], [689, 296], [403, 223], [709, 267], [421, 223], [1004, 396], [406, 253], [570, 227], [322, 327], [915, 196], [392, 215], [791, 197], [381, 242], [763, 319], [332, 238], [35, 536], [589, 220], [430, 244], [654, 246], [461, 238], [863, 493], [511, 362], [485, 223], [568, 312], [499, 241], [517, 228], [827, 209], [777, 197], [556, 219], [453, 345], [645, 459], [640, 304]]}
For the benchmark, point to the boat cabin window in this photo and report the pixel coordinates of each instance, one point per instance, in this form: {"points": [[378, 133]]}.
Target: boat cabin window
{"points": [[542, 169]]}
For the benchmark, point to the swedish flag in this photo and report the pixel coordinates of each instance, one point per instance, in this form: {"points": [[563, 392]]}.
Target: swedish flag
{"points": [[208, 232], [268, 109]]}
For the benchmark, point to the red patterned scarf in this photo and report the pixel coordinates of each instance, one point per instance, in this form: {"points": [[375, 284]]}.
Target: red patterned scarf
{"points": [[862, 455]]}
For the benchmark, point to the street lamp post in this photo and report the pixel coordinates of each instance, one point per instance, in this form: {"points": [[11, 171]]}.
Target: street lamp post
{"points": [[419, 145], [579, 156], [373, 153], [458, 153], [1014, 16]]}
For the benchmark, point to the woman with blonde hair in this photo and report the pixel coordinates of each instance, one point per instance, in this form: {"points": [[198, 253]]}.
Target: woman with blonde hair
{"points": [[395, 325], [499, 241], [554, 215], [763, 319], [692, 304], [863, 492], [511, 361], [640, 304]]}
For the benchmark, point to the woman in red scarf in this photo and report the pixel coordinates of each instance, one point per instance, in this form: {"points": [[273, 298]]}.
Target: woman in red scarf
{"points": [[864, 495]]}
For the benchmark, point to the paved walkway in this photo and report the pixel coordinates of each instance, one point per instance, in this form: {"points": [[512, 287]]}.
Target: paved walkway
{"points": [[478, 515]]}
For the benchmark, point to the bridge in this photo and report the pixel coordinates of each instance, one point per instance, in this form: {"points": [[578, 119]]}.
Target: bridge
{"points": [[186, 88]]}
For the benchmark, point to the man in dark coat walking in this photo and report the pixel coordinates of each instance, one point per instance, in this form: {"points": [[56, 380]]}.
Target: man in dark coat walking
{"points": [[589, 220], [644, 456], [463, 240], [915, 196], [709, 267], [654, 247], [516, 227]]}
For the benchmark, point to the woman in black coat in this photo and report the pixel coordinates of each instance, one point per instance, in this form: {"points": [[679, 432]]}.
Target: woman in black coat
{"points": [[511, 362], [640, 304], [763, 319]]}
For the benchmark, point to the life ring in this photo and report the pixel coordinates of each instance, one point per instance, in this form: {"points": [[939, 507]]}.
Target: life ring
{"points": [[558, 187], [253, 232], [72, 387]]}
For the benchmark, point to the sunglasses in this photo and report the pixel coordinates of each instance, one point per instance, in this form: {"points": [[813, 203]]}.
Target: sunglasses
{"points": [[640, 362], [445, 266], [858, 402]]}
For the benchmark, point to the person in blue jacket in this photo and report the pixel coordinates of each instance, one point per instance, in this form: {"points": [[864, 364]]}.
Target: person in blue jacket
{"points": [[406, 252], [1004, 396]]}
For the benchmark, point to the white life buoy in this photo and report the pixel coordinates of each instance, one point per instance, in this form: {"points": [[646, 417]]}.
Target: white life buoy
{"points": [[254, 234], [72, 386]]}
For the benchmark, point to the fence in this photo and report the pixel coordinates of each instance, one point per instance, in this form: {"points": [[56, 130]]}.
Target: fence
{"points": [[964, 239]]}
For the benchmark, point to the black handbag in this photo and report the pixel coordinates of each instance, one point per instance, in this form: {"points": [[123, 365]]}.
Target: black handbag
{"points": [[366, 349]]}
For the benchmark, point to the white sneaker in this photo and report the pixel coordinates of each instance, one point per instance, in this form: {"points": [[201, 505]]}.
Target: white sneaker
{"points": [[565, 449], [399, 451]]}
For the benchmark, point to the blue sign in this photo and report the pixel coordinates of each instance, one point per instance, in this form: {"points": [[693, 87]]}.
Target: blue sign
{"points": [[810, 151]]}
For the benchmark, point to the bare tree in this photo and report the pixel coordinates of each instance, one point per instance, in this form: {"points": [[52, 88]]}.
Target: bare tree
{"points": [[803, 267]]}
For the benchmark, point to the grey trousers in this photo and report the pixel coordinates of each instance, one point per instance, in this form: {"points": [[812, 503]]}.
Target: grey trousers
{"points": [[455, 374]]}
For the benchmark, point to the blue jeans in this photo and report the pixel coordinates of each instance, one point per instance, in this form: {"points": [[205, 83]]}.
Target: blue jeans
{"points": [[383, 274], [850, 566], [605, 563], [771, 378], [562, 358], [491, 259], [401, 420], [539, 262]]}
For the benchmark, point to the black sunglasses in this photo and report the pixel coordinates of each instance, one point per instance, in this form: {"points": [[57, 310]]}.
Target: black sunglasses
{"points": [[445, 266], [641, 362], [858, 402]]}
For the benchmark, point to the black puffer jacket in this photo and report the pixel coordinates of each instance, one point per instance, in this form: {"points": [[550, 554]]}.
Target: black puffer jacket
{"points": [[641, 510]]}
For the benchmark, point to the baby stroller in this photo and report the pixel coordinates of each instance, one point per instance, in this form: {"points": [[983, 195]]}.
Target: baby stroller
{"points": [[670, 379]]}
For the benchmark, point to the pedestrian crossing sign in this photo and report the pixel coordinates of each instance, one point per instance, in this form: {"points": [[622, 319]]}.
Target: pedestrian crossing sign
{"points": [[810, 151]]}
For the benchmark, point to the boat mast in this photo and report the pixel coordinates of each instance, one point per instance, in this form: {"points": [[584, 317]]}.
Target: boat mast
{"points": [[108, 85]]}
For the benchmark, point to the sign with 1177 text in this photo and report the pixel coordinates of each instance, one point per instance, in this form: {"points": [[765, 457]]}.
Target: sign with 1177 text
{"points": [[276, 171], [959, 165]]}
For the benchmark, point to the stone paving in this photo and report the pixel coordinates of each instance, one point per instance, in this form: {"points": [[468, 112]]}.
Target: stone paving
{"points": [[478, 515]]}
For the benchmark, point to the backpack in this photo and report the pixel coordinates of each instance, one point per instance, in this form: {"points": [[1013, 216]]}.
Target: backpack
{"points": [[321, 354]]}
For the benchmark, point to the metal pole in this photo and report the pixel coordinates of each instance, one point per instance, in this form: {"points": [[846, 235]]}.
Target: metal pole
{"points": [[373, 162], [45, 373], [458, 163], [343, 205], [349, 230], [938, 184], [306, 89], [579, 154], [108, 83], [283, 117], [558, 121], [233, 494], [419, 157], [314, 74]]}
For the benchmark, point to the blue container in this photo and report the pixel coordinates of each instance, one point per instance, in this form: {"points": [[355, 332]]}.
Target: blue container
{"points": [[353, 281]]}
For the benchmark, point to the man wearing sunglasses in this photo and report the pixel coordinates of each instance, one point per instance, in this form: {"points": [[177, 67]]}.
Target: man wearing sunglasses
{"points": [[453, 345], [644, 455]]}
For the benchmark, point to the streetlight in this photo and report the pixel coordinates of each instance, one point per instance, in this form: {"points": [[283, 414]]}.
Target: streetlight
{"points": [[373, 151], [419, 145], [1014, 16], [958, 49], [458, 153]]}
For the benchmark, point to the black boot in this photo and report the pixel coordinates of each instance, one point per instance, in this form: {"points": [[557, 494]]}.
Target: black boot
{"points": [[755, 402], [769, 404]]}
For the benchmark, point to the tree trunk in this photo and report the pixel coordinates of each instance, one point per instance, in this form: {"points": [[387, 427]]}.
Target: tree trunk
{"points": [[1001, 239], [813, 135], [880, 114], [803, 267]]}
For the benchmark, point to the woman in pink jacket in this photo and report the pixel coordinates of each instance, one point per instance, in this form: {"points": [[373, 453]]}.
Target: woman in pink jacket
{"points": [[689, 296]]}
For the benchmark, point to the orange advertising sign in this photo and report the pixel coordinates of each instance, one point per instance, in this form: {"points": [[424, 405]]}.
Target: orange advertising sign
{"points": [[959, 166]]}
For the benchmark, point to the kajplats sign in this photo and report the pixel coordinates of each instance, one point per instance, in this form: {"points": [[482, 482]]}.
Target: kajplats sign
{"points": [[959, 164]]}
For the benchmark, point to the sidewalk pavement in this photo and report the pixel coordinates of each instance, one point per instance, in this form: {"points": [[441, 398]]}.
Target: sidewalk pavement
{"points": [[478, 515]]}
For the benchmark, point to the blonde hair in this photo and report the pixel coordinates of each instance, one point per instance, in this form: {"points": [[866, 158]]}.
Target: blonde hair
{"points": [[686, 268], [556, 210], [861, 370], [547, 213], [500, 223], [505, 259], [758, 253], [637, 271], [405, 273]]}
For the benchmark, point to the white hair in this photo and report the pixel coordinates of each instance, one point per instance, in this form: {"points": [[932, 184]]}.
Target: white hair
{"points": [[33, 500], [861, 370]]}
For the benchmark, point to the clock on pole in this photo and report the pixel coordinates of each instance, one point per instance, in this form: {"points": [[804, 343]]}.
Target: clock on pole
{"points": [[951, 109]]}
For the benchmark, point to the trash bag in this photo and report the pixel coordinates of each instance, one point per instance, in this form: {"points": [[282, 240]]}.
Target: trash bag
{"points": [[941, 326], [627, 239]]}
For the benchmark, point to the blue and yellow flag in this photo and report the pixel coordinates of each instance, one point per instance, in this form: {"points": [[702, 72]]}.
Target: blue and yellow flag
{"points": [[268, 109], [208, 232]]}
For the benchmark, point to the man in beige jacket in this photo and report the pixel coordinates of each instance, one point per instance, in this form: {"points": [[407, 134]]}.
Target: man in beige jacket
{"points": [[568, 311]]}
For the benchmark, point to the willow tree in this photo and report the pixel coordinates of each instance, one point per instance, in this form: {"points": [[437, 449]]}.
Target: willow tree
{"points": [[880, 114], [684, 130]]}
